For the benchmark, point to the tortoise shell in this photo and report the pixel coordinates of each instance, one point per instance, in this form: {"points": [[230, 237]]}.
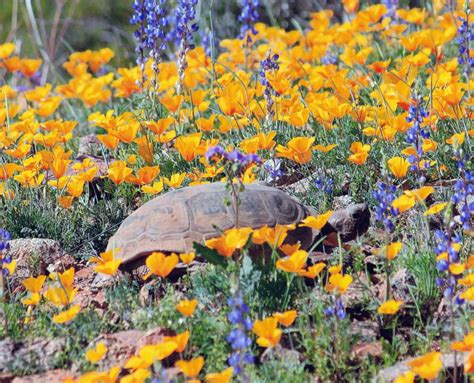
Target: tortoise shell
{"points": [[173, 221]]}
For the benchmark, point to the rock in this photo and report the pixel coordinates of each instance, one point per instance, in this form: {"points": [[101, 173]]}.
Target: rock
{"points": [[300, 187], [367, 331], [342, 202], [356, 293], [281, 353], [88, 145], [54, 376], [389, 374], [362, 350], [147, 294], [39, 354], [86, 295], [34, 256], [400, 284]]}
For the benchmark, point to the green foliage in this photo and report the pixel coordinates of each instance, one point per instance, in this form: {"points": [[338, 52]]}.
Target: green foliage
{"points": [[81, 231], [209, 255]]}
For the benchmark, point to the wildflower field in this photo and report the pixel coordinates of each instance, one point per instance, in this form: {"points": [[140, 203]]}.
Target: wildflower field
{"points": [[286, 204]]}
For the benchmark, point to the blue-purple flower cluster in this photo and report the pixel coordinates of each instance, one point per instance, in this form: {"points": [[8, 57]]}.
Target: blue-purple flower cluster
{"points": [[416, 133], [329, 58], [464, 39], [384, 194], [139, 18], [337, 309], [447, 251], [5, 238], [324, 184], [238, 338], [234, 156], [208, 42], [463, 196], [156, 33], [269, 64], [392, 6], [151, 33], [273, 168], [185, 26], [248, 17]]}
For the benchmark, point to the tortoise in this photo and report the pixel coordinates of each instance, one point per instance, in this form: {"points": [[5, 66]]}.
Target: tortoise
{"points": [[173, 221]]}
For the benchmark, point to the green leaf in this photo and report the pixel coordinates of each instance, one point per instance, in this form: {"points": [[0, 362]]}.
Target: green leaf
{"points": [[210, 255]]}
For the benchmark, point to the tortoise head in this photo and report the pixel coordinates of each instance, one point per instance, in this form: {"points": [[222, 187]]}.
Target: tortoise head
{"points": [[348, 223]]}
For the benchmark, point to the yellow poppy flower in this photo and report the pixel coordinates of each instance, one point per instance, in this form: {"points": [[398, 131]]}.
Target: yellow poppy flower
{"points": [[268, 333], [339, 282], [230, 241], [427, 366], [67, 315], [403, 203], [220, 377], [190, 368], [96, 354], [317, 222], [390, 307], [286, 318], [294, 263], [398, 166], [435, 208], [187, 307], [160, 264]]}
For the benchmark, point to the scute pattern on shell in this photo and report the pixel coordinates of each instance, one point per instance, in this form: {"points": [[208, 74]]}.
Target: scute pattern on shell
{"points": [[173, 221]]}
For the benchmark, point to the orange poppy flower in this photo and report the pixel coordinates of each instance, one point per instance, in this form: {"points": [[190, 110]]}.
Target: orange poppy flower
{"points": [[230, 241], [190, 368], [187, 307], [268, 333], [160, 264]]}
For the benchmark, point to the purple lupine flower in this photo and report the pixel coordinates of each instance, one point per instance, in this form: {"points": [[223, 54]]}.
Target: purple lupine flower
{"points": [[139, 18], [416, 133], [448, 244], [336, 309], [324, 184], [5, 238], [464, 191], [238, 338], [384, 194], [273, 167], [248, 17], [464, 39], [156, 36], [208, 41], [392, 6], [233, 156], [253, 158], [269, 64], [329, 58], [185, 26]]}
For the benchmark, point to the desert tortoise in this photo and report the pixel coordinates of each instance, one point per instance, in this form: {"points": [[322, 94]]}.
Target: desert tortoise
{"points": [[173, 221]]}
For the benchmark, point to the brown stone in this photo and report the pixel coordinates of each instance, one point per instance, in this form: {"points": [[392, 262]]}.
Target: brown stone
{"points": [[363, 350], [34, 256], [39, 354]]}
